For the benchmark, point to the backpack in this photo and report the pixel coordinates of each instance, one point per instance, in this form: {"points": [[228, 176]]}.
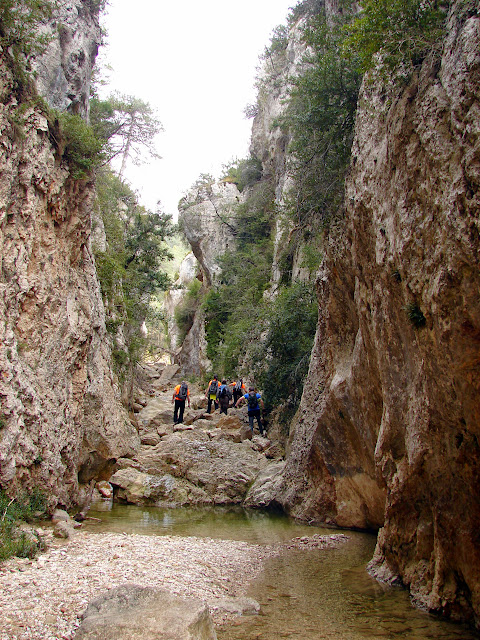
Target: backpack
{"points": [[183, 391], [213, 387], [224, 392], [238, 386], [252, 400]]}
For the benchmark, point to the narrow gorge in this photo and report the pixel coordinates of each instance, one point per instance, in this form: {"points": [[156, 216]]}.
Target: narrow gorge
{"points": [[337, 270]]}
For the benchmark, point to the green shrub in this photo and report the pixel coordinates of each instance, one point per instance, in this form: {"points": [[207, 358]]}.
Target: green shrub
{"points": [[14, 511], [185, 311], [21, 36], [320, 117], [286, 350], [243, 173], [402, 31], [82, 150]]}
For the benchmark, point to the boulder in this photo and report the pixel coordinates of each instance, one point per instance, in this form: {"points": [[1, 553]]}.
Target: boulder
{"points": [[131, 612], [105, 489], [168, 373], [151, 438], [187, 467], [264, 490], [158, 411]]}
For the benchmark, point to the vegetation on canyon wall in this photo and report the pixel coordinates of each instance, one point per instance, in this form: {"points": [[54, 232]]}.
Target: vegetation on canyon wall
{"points": [[13, 512], [130, 262], [267, 333]]}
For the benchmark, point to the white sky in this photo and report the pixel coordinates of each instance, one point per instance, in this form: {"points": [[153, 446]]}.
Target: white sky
{"points": [[194, 62]]}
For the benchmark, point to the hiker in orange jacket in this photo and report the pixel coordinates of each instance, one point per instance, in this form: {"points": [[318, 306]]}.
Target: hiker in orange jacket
{"points": [[180, 394], [238, 389]]}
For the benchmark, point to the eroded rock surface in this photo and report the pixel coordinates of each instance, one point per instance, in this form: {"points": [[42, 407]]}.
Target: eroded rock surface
{"points": [[61, 420], [388, 428]]}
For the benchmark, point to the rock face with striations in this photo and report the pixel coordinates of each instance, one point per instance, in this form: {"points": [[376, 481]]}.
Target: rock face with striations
{"points": [[388, 430], [206, 216], [61, 422]]}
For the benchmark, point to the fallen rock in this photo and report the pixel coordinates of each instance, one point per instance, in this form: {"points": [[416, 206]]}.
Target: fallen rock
{"points": [[63, 529], [168, 373], [151, 438], [130, 612], [264, 490], [105, 489]]}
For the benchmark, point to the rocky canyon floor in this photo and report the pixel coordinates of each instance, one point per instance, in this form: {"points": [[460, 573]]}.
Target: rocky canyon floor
{"points": [[44, 598]]}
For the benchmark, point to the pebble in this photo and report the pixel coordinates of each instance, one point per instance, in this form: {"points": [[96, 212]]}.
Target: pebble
{"points": [[44, 602]]}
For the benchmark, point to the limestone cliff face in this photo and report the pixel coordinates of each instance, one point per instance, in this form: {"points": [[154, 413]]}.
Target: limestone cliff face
{"points": [[389, 425], [63, 73], [206, 214], [61, 423]]}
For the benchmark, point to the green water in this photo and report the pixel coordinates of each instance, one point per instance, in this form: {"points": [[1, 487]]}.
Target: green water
{"points": [[304, 594]]}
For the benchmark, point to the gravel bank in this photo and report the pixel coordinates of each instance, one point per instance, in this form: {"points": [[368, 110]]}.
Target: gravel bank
{"points": [[43, 599]]}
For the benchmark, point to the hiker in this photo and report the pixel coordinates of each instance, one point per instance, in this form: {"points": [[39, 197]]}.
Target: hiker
{"points": [[239, 389], [211, 393], [254, 402], [224, 395], [180, 394]]}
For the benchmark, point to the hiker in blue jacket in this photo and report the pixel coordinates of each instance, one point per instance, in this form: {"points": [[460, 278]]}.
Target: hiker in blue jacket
{"points": [[254, 402]]}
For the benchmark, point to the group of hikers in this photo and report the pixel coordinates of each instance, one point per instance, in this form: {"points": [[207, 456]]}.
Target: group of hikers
{"points": [[221, 394]]}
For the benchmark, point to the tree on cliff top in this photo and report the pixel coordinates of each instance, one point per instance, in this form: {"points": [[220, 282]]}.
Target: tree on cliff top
{"points": [[128, 125]]}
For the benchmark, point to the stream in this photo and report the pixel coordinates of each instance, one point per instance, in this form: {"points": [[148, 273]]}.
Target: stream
{"points": [[312, 594]]}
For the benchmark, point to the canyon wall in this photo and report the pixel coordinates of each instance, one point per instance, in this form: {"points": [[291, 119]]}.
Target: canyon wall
{"points": [[61, 421], [205, 216], [389, 424]]}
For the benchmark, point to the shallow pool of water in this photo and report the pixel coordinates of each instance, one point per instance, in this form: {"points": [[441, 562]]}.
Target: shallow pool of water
{"points": [[310, 594]]}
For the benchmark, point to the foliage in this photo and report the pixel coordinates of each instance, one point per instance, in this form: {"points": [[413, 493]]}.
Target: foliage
{"points": [[128, 126], [305, 8], [25, 507], [233, 309], [278, 42], [402, 31], [320, 117], [82, 148], [130, 269], [185, 311], [244, 173], [286, 350]]}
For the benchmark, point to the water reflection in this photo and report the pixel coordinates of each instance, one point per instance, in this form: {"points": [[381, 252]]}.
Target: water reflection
{"points": [[304, 595], [227, 523]]}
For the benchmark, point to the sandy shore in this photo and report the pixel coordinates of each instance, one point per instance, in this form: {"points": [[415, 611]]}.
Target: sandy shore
{"points": [[42, 599]]}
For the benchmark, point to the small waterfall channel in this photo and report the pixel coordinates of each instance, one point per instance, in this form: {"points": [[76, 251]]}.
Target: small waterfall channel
{"points": [[311, 594]]}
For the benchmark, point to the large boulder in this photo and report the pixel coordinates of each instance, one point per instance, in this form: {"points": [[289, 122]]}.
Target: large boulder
{"points": [[187, 467], [131, 612]]}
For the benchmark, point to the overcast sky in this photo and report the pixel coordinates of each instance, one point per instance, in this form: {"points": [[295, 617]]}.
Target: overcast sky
{"points": [[195, 63]]}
